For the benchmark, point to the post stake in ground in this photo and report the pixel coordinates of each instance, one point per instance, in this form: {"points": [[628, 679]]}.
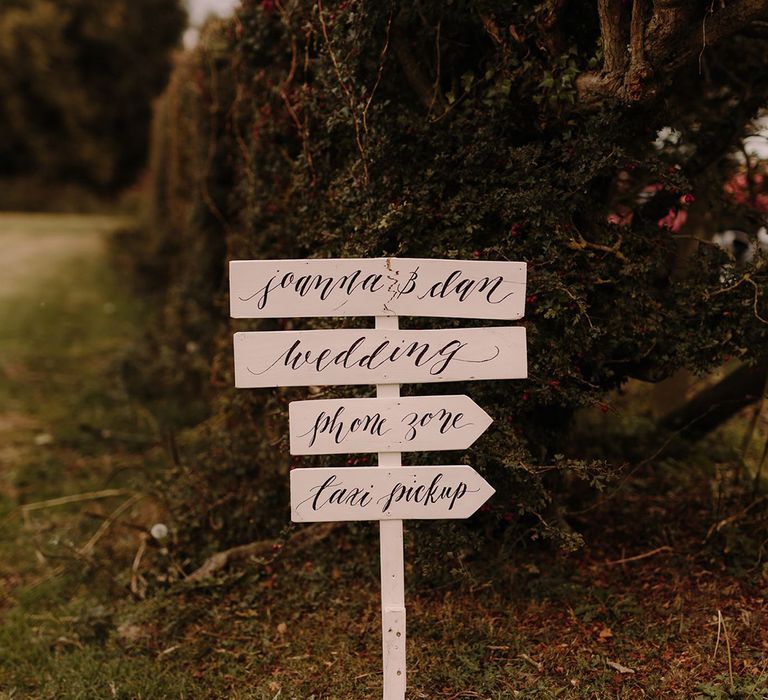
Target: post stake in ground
{"points": [[392, 567]]}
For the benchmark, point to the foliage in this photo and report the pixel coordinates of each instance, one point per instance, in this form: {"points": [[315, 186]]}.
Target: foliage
{"points": [[450, 130], [76, 82]]}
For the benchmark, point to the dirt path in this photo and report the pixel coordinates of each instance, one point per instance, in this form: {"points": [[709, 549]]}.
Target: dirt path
{"points": [[32, 246], [33, 249]]}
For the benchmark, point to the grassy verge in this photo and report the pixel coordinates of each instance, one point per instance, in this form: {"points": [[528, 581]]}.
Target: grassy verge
{"points": [[67, 432]]}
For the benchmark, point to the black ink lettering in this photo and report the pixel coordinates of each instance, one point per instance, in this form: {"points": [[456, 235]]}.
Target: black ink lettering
{"points": [[346, 355], [435, 361], [288, 358], [460, 492], [316, 505], [399, 489], [465, 288], [409, 285]]}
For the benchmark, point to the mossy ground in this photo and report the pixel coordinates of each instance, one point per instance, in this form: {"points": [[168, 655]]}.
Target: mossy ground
{"points": [[85, 615]]}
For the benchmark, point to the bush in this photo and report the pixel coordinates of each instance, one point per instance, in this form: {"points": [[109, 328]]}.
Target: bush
{"points": [[502, 131]]}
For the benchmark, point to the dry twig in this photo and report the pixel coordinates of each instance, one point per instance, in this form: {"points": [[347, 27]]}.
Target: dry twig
{"points": [[301, 540], [638, 557], [75, 498]]}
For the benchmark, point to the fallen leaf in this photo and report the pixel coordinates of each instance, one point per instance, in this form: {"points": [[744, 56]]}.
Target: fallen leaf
{"points": [[605, 634], [618, 667], [42, 439]]}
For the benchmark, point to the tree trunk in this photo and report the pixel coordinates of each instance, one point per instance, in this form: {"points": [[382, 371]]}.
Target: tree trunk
{"points": [[713, 406]]}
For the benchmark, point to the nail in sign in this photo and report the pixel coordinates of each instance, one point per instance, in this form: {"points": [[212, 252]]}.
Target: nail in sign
{"points": [[377, 287], [410, 424], [402, 493], [371, 356]]}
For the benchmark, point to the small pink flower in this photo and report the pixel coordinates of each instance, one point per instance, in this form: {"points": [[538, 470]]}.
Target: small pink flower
{"points": [[674, 220], [622, 215]]}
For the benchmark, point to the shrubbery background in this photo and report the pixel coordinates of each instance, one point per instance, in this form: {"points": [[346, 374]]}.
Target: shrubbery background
{"points": [[438, 129]]}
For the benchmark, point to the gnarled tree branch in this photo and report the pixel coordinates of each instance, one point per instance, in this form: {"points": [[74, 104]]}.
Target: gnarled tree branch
{"points": [[718, 26], [673, 36]]}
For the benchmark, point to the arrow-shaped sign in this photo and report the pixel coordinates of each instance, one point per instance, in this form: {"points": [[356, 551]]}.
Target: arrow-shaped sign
{"points": [[377, 493], [411, 424]]}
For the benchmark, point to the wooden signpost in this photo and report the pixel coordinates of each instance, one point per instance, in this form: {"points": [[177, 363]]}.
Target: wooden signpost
{"points": [[385, 356], [403, 493], [376, 287], [372, 356], [411, 424]]}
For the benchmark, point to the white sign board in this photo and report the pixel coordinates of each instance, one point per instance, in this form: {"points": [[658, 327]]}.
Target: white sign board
{"points": [[373, 356], [377, 493], [414, 423], [377, 287]]}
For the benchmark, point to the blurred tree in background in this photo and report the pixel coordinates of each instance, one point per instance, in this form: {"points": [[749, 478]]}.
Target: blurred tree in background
{"points": [[77, 78]]}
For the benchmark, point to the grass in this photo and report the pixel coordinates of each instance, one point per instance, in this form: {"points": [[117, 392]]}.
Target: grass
{"points": [[641, 612], [66, 427]]}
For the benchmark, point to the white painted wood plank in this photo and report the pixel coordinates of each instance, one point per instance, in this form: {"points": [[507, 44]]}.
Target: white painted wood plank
{"points": [[377, 287], [391, 556], [409, 424], [330, 494], [393, 642], [373, 356]]}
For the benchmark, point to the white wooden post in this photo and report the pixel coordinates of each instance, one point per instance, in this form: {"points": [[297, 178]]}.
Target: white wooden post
{"points": [[392, 567], [387, 357]]}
